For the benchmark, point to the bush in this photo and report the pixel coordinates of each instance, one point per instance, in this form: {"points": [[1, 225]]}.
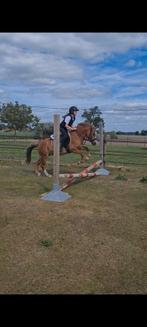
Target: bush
{"points": [[121, 177], [143, 179], [113, 136], [46, 243], [44, 130]]}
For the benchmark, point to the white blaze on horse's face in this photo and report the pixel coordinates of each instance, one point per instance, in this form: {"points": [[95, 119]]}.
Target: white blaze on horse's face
{"points": [[93, 136]]}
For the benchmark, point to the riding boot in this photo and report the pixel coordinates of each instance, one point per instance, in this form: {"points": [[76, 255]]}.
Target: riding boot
{"points": [[67, 148], [61, 147]]}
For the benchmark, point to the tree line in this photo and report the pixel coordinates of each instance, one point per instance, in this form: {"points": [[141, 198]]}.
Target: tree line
{"points": [[19, 117]]}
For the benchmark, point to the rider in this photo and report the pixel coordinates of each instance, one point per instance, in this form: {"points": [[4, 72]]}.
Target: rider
{"points": [[66, 125]]}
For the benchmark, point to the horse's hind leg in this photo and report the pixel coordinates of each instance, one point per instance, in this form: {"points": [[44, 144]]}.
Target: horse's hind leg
{"points": [[38, 169], [44, 164]]}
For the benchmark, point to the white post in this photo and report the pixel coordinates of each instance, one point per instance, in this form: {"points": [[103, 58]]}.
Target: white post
{"points": [[56, 158], [56, 194], [101, 146], [102, 170]]}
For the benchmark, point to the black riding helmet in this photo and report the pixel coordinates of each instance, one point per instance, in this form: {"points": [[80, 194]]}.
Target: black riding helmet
{"points": [[72, 109]]}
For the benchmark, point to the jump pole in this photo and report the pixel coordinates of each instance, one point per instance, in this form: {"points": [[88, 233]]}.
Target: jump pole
{"points": [[56, 193], [72, 177], [84, 173]]}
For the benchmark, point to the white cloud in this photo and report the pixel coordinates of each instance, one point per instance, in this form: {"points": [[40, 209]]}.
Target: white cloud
{"points": [[85, 46], [38, 68], [57, 67], [79, 93], [131, 63]]}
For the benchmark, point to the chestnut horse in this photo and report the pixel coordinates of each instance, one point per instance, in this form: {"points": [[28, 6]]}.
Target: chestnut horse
{"points": [[84, 132]]}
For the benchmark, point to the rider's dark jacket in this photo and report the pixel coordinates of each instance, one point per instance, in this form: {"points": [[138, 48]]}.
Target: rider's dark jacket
{"points": [[63, 123]]}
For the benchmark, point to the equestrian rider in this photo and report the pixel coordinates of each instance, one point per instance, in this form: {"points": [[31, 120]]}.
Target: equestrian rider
{"points": [[66, 125]]}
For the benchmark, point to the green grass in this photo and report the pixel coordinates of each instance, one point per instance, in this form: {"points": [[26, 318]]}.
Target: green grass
{"points": [[126, 148], [15, 149], [121, 177], [118, 156], [18, 133], [46, 243], [94, 243]]}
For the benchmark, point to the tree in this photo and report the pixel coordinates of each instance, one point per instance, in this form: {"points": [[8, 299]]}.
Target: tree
{"points": [[143, 132], [93, 116], [17, 117], [113, 135], [44, 130]]}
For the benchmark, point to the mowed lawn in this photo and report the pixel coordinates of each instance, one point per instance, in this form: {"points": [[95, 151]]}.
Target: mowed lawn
{"points": [[94, 243]]}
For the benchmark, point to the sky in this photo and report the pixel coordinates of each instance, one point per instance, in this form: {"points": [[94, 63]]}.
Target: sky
{"points": [[53, 71]]}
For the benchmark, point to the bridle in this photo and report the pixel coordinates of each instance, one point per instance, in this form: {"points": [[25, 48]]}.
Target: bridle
{"points": [[90, 137]]}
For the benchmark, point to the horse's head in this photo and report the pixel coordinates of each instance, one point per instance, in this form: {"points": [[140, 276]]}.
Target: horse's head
{"points": [[92, 135], [88, 132]]}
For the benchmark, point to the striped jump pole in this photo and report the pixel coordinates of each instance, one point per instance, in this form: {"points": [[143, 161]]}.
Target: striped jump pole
{"points": [[76, 175], [85, 173], [72, 177]]}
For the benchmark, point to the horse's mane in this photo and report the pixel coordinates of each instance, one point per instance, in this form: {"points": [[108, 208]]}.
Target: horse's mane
{"points": [[83, 124]]}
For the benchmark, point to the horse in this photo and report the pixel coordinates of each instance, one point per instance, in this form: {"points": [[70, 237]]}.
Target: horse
{"points": [[84, 132]]}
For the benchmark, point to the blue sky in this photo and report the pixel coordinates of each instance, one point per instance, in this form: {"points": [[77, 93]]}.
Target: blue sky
{"points": [[57, 70]]}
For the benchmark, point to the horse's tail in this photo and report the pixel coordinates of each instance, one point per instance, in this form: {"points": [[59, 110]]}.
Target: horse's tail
{"points": [[29, 151]]}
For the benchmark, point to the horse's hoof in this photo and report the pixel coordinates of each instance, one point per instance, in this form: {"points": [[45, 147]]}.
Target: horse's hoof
{"points": [[46, 173]]}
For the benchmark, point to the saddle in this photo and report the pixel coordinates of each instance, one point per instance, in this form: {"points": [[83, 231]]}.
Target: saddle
{"points": [[67, 142]]}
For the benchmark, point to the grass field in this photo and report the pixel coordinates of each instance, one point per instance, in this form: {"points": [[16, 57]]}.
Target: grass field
{"points": [[18, 133], [94, 243]]}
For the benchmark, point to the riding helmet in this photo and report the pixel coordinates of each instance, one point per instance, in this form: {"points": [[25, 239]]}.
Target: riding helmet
{"points": [[72, 109]]}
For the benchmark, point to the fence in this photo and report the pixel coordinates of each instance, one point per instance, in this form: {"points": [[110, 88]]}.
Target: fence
{"points": [[116, 150]]}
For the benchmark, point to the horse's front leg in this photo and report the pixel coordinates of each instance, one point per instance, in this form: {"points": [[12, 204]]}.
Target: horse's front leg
{"points": [[87, 155], [79, 151]]}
